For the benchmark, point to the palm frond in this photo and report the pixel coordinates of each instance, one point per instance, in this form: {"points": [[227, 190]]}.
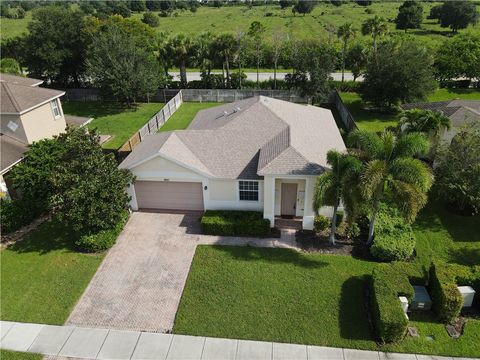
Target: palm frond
{"points": [[325, 191], [373, 177], [369, 144], [411, 144], [412, 171], [410, 199]]}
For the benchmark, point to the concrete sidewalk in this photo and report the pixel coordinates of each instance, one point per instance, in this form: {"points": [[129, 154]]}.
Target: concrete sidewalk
{"points": [[94, 343]]}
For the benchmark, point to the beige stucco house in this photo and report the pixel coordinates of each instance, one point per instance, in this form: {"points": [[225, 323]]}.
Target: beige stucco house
{"points": [[256, 154], [28, 113]]}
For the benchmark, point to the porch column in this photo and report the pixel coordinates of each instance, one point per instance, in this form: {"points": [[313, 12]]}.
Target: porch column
{"points": [[269, 199], [308, 213]]}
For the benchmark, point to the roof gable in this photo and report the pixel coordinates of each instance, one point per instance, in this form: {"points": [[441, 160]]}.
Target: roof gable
{"points": [[16, 99]]}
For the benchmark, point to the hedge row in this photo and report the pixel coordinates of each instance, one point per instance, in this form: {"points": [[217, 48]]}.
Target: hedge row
{"points": [[102, 240], [235, 223], [444, 279], [389, 281], [17, 213]]}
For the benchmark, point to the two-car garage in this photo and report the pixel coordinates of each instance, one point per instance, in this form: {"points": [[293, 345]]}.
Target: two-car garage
{"points": [[166, 195]]}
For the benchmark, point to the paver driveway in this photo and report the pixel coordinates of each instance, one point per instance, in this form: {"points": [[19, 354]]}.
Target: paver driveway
{"points": [[140, 282]]}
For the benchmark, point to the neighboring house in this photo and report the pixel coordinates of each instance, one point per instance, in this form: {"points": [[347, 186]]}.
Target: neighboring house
{"points": [[461, 113], [256, 154], [28, 113]]}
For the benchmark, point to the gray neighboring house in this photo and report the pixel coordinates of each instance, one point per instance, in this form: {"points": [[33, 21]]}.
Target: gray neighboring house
{"points": [[28, 113], [461, 113], [258, 154]]}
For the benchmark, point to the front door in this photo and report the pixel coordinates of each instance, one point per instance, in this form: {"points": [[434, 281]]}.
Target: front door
{"points": [[289, 199]]}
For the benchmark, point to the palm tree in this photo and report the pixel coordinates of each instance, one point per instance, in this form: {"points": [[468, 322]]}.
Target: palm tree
{"points": [[203, 54], [391, 169], [345, 32], [333, 186], [226, 46], [163, 52], [179, 49], [376, 26]]}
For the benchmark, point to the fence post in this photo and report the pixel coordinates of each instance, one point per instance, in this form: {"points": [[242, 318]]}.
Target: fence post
{"points": [[130, 145], [148, 126]]}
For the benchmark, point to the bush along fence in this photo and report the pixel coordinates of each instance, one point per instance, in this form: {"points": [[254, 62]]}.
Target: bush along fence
{"points": [[152, 125]]}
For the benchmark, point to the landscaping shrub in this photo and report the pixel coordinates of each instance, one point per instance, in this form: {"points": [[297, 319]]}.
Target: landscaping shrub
{"points": [[389, 319], [235, 223], [321, 223], [346, 86], [17, 213], [353, 230], [150, 19], [394, 239], [102, 240]]}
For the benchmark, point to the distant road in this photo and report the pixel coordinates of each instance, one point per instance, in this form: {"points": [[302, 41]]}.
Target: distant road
{"points": [[262, 75]]}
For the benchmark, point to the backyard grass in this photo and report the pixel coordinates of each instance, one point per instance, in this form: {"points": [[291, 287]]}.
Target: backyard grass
{"points": [[280, 295], [113, 119], [14, 355], [43, 276], [239, 18], [185, 114], [376, 122]]}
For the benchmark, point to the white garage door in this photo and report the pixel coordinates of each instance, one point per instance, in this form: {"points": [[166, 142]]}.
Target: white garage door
{"points": [[169, 195]]}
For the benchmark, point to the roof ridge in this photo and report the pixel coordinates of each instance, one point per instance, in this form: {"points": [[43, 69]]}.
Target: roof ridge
{"points": [[16, 105]]}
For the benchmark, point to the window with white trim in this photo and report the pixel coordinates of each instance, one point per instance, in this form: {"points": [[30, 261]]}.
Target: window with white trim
{"points": [[248, 190], [55, 108]]}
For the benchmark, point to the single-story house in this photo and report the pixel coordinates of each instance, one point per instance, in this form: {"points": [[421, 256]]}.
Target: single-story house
{"points": [[28, 113], [257, 154], [461, 113]]}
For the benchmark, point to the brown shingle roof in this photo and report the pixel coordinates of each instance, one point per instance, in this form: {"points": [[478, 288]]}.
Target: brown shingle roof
{"points": [[19, 98], [19, 80], [12, 151]]}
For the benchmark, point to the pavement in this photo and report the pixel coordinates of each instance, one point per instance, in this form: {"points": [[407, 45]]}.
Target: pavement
{"points": [[139, 284], [262, 76], [67, 342]]}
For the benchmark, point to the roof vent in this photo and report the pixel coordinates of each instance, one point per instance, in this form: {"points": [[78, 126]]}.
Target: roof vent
{"points": [[12, 126]]}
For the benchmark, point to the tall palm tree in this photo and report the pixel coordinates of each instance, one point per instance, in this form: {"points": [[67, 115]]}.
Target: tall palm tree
{"points": [[226, 46], [333, 186], [163, 52], [203, 53], [180, 47], [376, 26], [345, 32], [391, 169]]}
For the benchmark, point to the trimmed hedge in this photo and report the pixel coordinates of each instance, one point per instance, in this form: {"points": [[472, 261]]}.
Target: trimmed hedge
{"points": [[102, 240], [394, 239], [235, 223], [389, 319], [17, 213]]}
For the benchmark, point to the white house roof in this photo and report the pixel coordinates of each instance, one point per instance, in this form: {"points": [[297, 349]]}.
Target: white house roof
{"points": [[248, 139]]}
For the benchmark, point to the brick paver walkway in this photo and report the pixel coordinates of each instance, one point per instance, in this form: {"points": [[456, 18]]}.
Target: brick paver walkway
{"points": [[139, 284]]}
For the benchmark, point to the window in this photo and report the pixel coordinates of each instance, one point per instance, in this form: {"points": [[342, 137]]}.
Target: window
{"points": [[55, 108], [248, 190]]}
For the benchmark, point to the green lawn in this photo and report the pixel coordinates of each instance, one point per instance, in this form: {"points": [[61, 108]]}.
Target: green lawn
{"points": [[14, 355], [185, 114], [113, 119], [281, 295], [239, 18], [43, 276], [375, 121]]}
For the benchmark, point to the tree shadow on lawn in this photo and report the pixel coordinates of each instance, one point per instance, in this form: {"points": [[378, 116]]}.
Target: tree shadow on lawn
{"points": [[248, 253], [465, 256], [353, 318], [50, 236]]}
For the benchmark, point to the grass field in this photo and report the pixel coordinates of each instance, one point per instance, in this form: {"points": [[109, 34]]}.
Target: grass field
{"points": [[184, 115], [285, 296], [43, 276], [113, 119], [239, 18], [14, 355], [375, 121]]}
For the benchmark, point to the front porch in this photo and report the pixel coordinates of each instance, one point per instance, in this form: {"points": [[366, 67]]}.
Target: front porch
{"points": [[294, 223]]}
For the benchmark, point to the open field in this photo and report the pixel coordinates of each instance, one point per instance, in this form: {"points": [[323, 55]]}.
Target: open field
{"points": [[375, 121], [285, 296], [113, 119], [43, 276], [239, 18], [185, 114]]}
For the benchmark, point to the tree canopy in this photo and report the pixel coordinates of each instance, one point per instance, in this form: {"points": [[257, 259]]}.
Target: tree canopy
{"points": [[455, 14], [410, 15]]}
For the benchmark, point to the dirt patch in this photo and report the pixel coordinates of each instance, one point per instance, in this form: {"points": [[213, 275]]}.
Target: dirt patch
{"points": [[318, 243]]}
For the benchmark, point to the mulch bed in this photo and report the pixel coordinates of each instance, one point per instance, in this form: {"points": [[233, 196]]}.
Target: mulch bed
{"points": [[311, 242]]}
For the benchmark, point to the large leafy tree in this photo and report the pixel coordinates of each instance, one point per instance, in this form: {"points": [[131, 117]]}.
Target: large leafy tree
{"points": [[375, 27], [410, 15], [335, 185], [400, 71], [459, 58], [10, 66], [392, 172], [180, 49], [55, 48], [304, 6], [457, 169], [455, 14], [89, 188], [256, 33], [345, 32], [356, 59], [121, 68]]}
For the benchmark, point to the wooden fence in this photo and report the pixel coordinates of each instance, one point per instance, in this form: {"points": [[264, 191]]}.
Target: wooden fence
{"points": [[345, 116], [152, 126]]}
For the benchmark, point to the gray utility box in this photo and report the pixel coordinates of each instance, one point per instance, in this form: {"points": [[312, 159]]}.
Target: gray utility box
{"points": [[468, 294], [421, 300]]}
